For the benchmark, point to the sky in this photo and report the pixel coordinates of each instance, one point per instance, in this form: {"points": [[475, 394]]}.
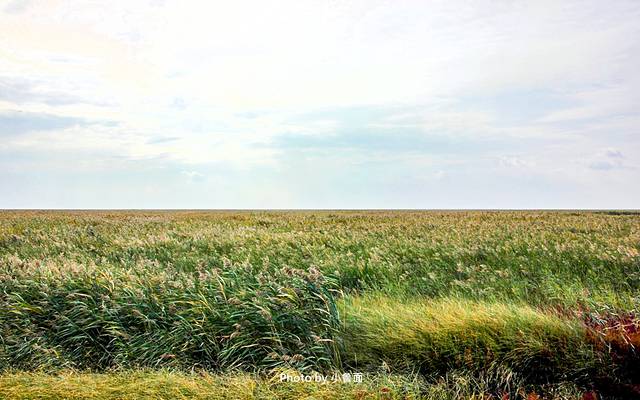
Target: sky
{"points": [[319, 104]]}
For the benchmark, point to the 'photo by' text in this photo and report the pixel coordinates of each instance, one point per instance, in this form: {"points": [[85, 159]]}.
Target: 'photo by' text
{"points": [[346, 377]]}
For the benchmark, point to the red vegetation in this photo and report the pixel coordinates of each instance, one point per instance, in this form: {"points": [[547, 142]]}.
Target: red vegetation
{"points": [[618, 335]]}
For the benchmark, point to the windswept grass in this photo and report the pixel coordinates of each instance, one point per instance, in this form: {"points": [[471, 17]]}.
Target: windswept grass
{"points": [[472, 303], [235, 318], [542, 258], [515, 343]]}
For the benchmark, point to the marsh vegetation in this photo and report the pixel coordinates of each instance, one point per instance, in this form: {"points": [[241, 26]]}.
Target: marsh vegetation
{"points": [[426, 304]]}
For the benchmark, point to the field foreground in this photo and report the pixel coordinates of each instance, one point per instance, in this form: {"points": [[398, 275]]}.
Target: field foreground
{"points": [[418, 304]]}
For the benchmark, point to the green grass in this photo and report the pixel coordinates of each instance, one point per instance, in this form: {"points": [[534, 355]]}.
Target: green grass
{"points": [[516, 343], [471, 303], [234, 318], [539, 257]]}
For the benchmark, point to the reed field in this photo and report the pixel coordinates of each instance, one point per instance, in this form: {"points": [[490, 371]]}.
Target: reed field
{"points": [[223, 304]]}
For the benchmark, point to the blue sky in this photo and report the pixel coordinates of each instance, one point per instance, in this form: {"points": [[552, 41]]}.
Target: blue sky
{"points": [[319, 104]]}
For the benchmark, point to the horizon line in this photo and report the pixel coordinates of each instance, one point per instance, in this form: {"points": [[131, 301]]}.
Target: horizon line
{"points": [[320, 209]]}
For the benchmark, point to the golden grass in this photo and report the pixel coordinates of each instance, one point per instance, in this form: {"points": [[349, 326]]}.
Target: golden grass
{"points": [[156, 385]]}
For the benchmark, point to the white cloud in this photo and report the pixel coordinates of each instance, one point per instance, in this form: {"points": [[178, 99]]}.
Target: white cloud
{"points": [[608, 159], [223, 82], [310, 54]]}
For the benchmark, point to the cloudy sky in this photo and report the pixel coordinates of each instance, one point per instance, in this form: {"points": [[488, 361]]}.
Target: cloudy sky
{"points": [[319, 104]]}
